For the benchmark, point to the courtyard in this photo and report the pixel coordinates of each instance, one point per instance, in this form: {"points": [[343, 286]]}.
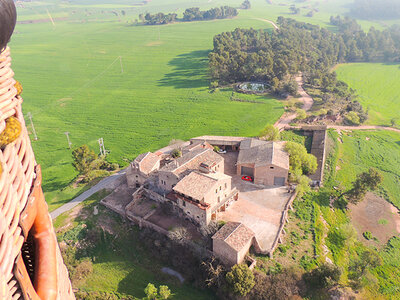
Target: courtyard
{"points": [[259, 207]]}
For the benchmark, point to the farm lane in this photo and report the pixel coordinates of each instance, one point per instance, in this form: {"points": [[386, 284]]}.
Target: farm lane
{"points": [[108, 182], [268, 21], [307, 100]]}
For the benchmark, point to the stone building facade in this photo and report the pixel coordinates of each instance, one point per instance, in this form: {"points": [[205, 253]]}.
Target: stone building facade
{"points": [[266, 162], [232, 243], [141, 168]]}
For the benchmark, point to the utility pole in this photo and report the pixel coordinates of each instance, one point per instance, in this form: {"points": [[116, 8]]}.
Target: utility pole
{"points": [[101, 146], [120, 61], [33, 127], [69, 142]]}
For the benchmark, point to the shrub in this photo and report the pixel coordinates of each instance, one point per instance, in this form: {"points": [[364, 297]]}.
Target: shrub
{"points": [[240, 280], [176, 153], [352, 118], [301, 114], [270, 133], [368, 235], [324, 276]]}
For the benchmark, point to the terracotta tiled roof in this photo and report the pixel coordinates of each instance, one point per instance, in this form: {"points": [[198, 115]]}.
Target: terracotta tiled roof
{"points": [[235, 235], [196, 185], [147, 162], [260, 153], [219, 138], [192, 160]]}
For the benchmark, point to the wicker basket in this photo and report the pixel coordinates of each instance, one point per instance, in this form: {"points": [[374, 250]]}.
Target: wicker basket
{"points": [[31, 266]]}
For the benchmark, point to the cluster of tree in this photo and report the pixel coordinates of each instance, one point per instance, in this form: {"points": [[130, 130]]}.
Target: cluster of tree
{"points": [[90, 165], [276, 57], [190, 14], [223, 12], [246, 4], [158, 18], [152, 293], [374, 9]]}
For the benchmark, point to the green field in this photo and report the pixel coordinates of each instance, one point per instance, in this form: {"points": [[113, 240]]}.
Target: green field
{"points": [[94, 75], [379, 149], [378, 86]]}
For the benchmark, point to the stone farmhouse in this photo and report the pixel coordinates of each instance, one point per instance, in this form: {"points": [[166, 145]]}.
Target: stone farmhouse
{"points": [[141, 168], [266, 162], [232, 242], [199, 189]]}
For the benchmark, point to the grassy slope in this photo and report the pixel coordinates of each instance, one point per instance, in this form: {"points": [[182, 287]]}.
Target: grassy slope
{"points": [[381, 151], [354, 155], [378, 87], [125, 267]]}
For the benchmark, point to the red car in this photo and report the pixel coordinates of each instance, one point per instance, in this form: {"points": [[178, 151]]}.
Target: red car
{"points": [[247, 178]]}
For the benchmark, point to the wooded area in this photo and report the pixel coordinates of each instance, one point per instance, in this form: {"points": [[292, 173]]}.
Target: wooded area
{"points": [[190, 14]]}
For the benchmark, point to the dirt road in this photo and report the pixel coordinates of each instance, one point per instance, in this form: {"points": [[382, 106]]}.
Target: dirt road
{"points": [[307, 100], [267, 21]]}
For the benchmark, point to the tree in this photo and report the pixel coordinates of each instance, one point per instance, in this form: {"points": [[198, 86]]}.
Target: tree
{"points": [[240, 280], [301, 114], [164, 292], [83, 158], [359, 267], [352, 118], [270, 133], [366, 181], [324, 276], [300, 161], [394, 122], [151, 292], [246, 5]]}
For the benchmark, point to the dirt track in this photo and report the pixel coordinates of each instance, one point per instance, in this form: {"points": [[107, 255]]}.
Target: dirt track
{"points": [[307, 100]]}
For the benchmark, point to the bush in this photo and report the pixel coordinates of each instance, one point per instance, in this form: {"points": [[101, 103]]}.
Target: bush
{"points": [[368, 235], [270, 133], [176, 153], [301, 114], [240, 280], [324, 276], [352, 118]]}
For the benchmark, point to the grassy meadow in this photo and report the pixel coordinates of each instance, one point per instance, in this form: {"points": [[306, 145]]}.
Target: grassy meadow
{"points": [[378, 87]]}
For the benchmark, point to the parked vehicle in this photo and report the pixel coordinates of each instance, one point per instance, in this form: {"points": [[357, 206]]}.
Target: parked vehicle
{"points": [[247, 178], [222, 151]]}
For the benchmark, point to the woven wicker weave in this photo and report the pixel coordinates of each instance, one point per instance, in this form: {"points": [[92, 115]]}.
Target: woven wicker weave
{"points": [[19, 179]]}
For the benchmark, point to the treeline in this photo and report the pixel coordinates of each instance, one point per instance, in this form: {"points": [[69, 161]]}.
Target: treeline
{"points": [[257, 55], [376, 9], [190, 14], [223, 12], [158, 19]]}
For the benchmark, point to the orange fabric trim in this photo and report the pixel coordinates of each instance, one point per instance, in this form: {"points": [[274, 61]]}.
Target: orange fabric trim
{"points": [[35, 218]]}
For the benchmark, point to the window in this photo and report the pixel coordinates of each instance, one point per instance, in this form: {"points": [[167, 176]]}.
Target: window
{"points": [[220, 187], [271, 168], [226, 185], [183, 203], [219, 199], [137, 176], [216, 191]]}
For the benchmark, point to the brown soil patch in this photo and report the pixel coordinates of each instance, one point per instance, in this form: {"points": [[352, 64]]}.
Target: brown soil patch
{"points": [[376, 215], [155, 43]]}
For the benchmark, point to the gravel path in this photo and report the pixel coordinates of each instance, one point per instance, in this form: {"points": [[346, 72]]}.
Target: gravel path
{"points": [[107, 183]]}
